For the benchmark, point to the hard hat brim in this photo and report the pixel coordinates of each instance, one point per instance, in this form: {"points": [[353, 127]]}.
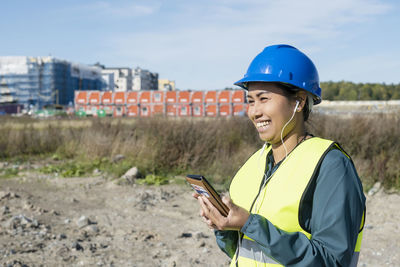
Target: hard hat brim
{"points": [[273, 79]]}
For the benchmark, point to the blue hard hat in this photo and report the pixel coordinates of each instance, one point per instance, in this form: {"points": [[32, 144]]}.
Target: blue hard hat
{"points": [[284, 64]]}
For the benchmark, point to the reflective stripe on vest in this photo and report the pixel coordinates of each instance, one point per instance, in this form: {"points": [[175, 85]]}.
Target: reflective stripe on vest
{"points": [[283, 194], [251, 250]]}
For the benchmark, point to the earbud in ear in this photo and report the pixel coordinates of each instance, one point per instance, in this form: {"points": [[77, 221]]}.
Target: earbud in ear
{"points": [[297, 105]]}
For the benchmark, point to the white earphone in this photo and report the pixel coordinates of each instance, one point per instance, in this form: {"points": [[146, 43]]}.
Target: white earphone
{"points": [[297, 105]]}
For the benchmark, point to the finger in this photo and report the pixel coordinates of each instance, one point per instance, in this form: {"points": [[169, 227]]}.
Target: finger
{"points": [[195, 195], [212, 209], [219, 221], [205, 209], [210, 224]]}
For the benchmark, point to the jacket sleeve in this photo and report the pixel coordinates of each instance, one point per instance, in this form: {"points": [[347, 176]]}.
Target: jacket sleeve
{"points": [[338, 206], [227, 241]]}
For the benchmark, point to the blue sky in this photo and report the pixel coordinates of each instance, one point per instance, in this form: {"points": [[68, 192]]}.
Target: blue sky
{"points": [[208, 44]]}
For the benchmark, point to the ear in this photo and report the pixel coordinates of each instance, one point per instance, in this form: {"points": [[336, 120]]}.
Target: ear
{"points": [[301, 97]]}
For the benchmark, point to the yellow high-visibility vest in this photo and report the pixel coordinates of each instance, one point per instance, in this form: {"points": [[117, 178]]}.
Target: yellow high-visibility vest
{"points": [[279, 200]]}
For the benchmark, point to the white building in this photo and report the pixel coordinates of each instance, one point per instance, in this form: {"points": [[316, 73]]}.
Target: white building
{"points": [[144, 80], [119, 79]]}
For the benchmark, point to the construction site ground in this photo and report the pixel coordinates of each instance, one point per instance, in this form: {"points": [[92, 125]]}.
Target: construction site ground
{"points": [[48, 221]]}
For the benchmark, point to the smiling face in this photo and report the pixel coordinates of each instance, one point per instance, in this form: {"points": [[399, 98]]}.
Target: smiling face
{"points": [[270, 109]]}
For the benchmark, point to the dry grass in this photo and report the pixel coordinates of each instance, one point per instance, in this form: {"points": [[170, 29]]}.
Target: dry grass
{"points": [[213, 147]]}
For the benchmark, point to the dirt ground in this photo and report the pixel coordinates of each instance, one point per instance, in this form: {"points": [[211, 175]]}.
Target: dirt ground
{"points": [[47, 221]]}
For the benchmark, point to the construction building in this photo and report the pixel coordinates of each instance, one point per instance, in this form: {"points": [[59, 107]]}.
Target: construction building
{"points": [[122, 79], [41, 81]]}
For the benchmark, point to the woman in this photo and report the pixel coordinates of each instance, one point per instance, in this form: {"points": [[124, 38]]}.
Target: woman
{"points": [[298, 201]]}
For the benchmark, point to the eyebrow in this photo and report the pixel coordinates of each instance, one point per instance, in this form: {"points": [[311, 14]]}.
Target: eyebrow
{"points": [[259, 94]]}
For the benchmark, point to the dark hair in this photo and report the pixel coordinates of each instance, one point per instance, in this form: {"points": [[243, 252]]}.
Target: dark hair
{"points": [[290, 92]]}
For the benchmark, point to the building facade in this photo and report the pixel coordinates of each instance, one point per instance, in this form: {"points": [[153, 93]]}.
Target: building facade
{"points": [[144, 80], [119, 79], [41, 81], [126, 79], [166, 85]]}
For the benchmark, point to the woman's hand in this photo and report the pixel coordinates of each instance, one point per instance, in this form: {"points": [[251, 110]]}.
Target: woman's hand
{"points": [[235, 220]]}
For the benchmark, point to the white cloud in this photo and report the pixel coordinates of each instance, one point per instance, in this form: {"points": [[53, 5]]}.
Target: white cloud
{"points": [[217, 39]]}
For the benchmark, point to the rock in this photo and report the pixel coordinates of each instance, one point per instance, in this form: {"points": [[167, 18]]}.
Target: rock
{"points": [[148, 237], [186, 235], [118, 157], [54, 212], [369, 226], [77, 246], [200, 235], [4, 210], [74, 200], [62, 236], [374, 189], [206, 250], [83, 221], [131, 174], [4, 195], [28, 206], [21, 221], [92, 229]]}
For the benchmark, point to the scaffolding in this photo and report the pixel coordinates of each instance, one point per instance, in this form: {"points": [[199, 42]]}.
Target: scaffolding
{"points": [[42, 81]]}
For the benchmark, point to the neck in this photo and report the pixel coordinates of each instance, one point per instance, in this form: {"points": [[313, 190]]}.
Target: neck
{"points": [[290, 140]]}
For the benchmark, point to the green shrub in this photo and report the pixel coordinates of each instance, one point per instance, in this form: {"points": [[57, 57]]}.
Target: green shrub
{"points": [[214, 147]]}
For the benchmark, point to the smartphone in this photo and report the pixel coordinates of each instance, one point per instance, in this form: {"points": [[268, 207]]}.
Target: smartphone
{"points": [[200, 184]]}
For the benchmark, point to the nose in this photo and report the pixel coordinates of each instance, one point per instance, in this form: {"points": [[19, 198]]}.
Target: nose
{"points": [[255, 110]]}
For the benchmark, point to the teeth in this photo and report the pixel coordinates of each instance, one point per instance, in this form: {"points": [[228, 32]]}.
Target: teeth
{"points": [[262, 124]]}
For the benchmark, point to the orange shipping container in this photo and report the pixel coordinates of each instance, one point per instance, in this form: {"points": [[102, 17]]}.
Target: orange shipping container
{"points": [[239, 109], [133, 110], [109, 110], [145, 110], [211, 110], [171, 110], [157, 109], [81, 97], [225, 110], [184, 110], [238, 96], [119, 98], [132, 98], [119, 111], [92, 110], [157, 97], [106, 98], [145, 97], [197, 97], [94, 97], [184, 97], [211, 97], [197, 110], [224, 97], [170, 97]]}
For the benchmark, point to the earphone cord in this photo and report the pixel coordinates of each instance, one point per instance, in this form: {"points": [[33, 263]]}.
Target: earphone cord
{"points": [[291, 118]]}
